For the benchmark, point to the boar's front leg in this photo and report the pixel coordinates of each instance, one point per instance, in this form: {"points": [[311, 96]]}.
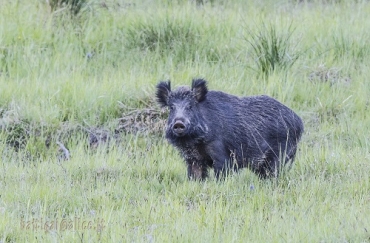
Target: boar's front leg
{"points": [[197, 171]]}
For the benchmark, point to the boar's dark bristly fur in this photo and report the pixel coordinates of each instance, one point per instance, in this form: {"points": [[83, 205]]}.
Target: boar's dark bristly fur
{"points": [[215, 129]]}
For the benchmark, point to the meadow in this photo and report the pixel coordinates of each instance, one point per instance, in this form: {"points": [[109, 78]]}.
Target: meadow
{"points": [[83, 155]]}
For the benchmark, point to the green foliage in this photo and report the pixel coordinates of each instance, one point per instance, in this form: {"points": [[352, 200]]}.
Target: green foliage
{"points": [[74, 5], [357, 48], [162, 35], [272, 50], [17, 134], [180, 37]]}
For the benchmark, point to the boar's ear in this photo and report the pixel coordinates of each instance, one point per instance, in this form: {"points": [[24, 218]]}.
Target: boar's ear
{"points": [[163, 91], [199, 87]]}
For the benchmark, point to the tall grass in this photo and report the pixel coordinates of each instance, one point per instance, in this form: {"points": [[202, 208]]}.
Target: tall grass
{"points": [[272, 50], [78, 83], [74, 6]]}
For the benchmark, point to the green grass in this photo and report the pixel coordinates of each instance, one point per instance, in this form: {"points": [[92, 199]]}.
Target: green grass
{"points": [[272, 51], [67, 79]]}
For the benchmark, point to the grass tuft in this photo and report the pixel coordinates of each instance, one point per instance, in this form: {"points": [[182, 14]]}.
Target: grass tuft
{"points": [[74, 6], [169, 35], [271, 49]]}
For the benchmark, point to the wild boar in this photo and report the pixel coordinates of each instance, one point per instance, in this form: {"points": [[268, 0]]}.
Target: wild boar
{"points": [[223, 131]]}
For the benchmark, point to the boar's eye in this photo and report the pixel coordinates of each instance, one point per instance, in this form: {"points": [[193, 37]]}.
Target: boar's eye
{"points": [[188, 107], [172, 107]]}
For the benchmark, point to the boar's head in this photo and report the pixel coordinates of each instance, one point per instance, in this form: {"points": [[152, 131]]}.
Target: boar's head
{"points": [[184, 119]]}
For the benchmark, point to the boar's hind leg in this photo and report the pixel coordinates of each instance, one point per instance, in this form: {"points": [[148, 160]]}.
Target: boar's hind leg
{"points": [[222, 165], [291, 156], [197, 171], [268, 166]]}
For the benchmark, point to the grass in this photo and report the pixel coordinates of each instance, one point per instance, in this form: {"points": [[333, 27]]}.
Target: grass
{"points": [[272, 50], [87, 82]]}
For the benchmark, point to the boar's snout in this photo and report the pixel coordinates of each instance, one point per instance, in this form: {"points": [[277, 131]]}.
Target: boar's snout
{"points": [[179, 128]]}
